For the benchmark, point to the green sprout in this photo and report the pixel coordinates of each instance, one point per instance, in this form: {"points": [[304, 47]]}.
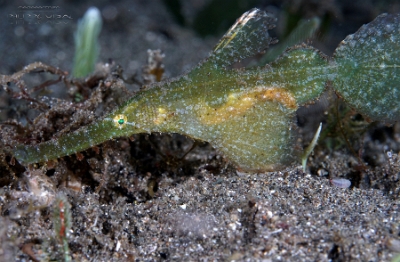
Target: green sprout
{"points": [[86, 44]]}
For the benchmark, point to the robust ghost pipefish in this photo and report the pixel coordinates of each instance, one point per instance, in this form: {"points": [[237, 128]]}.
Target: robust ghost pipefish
{"points": [[247, 114]]}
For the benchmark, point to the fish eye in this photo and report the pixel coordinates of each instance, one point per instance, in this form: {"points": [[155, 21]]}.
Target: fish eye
{"points": [[120, 120]]}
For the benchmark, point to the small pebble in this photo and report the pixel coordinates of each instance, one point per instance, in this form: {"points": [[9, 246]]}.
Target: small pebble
{"points": [[340, 182]]}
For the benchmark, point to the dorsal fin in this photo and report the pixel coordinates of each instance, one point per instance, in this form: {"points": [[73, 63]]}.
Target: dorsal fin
{"points": [[247, 37]]}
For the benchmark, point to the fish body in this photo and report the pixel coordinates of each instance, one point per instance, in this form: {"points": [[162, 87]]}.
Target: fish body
{"points": [[246, 114]]}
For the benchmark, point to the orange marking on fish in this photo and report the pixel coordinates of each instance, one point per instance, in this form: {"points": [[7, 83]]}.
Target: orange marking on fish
{"points": [[238, 103], [281, 96]]}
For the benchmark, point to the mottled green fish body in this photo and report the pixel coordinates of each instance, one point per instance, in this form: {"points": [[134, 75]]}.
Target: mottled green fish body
{"points": [[247, 115]]}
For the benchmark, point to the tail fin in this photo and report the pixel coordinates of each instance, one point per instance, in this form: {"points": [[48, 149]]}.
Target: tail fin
{"points": [[369, 69]]}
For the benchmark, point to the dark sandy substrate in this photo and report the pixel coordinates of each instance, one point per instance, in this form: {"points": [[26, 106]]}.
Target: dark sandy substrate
{"points": [[275, 216], [138, 201]]}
